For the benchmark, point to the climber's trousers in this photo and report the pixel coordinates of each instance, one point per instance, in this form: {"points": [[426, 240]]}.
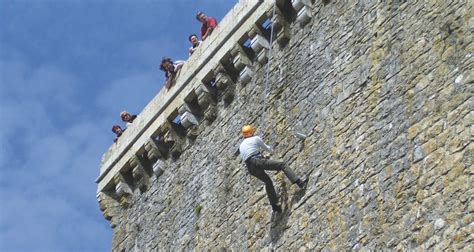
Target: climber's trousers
{"points": [[257, 167]]}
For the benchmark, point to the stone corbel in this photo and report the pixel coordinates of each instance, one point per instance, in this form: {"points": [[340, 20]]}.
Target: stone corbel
{"points": [[243, 64], [224, 83], [246, 75], [207, 102], [262, 56], [158, 168], [172, 140], [223, 80], [304, 15], [183, 108], [109, 206], [258, 42], [259, 45], [239, 58], [205, 97], [303, 10], [280, 3], [299, 4], [192, 132], [140, 176], [281, 27], [152, 150], [210, 114], [188, 119], [168, 136], [122, 189]]}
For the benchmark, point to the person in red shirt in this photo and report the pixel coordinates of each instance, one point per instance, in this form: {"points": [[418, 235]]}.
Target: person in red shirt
{"points": [[208, 24]]}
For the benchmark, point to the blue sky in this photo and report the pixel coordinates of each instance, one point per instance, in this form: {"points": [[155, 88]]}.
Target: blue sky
{"points": [[67, 69]]}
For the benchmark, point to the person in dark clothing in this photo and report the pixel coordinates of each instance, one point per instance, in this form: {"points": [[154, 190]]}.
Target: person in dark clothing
{"points": [[257, 165]]}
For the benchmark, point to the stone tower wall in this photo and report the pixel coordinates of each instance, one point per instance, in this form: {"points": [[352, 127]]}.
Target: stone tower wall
{"points": [[381, 89]]}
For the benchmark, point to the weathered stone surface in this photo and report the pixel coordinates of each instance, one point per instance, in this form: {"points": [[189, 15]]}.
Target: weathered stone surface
{"points": [[383, 92]]}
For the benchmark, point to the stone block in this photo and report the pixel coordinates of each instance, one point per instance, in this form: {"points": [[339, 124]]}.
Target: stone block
{"points": [[239, 58], [418, 154], [259, 43], [205, 97], [246, 75], [262, 56], [108, 205], [281, 27], [223, 81], [304, 16], [152, 150], [140, 175], [299, 4], [188, 119], [121, 186]]}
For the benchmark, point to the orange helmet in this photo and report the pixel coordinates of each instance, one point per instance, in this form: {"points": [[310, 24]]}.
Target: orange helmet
{"points": [[248, 131]]}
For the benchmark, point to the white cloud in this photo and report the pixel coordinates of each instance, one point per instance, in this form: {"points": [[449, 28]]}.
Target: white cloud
{"points": [[48, 168], [45, 222], [64, 79]]}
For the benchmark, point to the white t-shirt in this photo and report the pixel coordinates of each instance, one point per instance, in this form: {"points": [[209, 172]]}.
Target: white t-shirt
{"points": [[177, 64], [194, 48], [251, 146]]}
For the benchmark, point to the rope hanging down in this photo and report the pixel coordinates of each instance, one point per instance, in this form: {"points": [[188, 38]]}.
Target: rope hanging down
{"points": [[263, 122], [267, 72]]}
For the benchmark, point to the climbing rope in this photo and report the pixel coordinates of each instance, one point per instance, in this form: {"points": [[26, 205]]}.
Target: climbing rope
{"points": [[265, 94], [267, 72]]}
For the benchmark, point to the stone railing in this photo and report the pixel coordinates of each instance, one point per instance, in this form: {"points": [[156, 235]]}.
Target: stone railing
{"points": [[169, 122]]}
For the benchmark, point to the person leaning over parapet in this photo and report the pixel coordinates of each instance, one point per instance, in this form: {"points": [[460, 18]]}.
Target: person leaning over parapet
{"points": [[118, 131], [208, 24], [193, 38], [127, 118], [170, 68], [257, 165]]}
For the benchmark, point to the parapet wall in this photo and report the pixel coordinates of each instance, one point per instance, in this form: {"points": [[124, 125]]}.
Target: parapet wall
{"points": [[381, 89]]}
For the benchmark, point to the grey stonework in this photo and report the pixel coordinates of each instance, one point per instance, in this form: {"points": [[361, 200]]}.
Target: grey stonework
{"points": [[383, 89]]}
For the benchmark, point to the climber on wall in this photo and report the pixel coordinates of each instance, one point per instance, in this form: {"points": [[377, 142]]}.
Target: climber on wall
{"points": [[257, 165]]}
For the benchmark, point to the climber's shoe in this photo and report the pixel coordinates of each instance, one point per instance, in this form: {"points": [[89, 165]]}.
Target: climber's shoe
{"points": [[302, 183], [277, 209]]}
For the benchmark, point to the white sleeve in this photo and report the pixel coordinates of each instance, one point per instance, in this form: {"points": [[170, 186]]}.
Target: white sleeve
{"points": [[262, 145]]}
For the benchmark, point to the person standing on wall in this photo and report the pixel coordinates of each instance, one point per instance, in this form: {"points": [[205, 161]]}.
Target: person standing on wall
{"points": [[257, 165], [208, 24]]}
